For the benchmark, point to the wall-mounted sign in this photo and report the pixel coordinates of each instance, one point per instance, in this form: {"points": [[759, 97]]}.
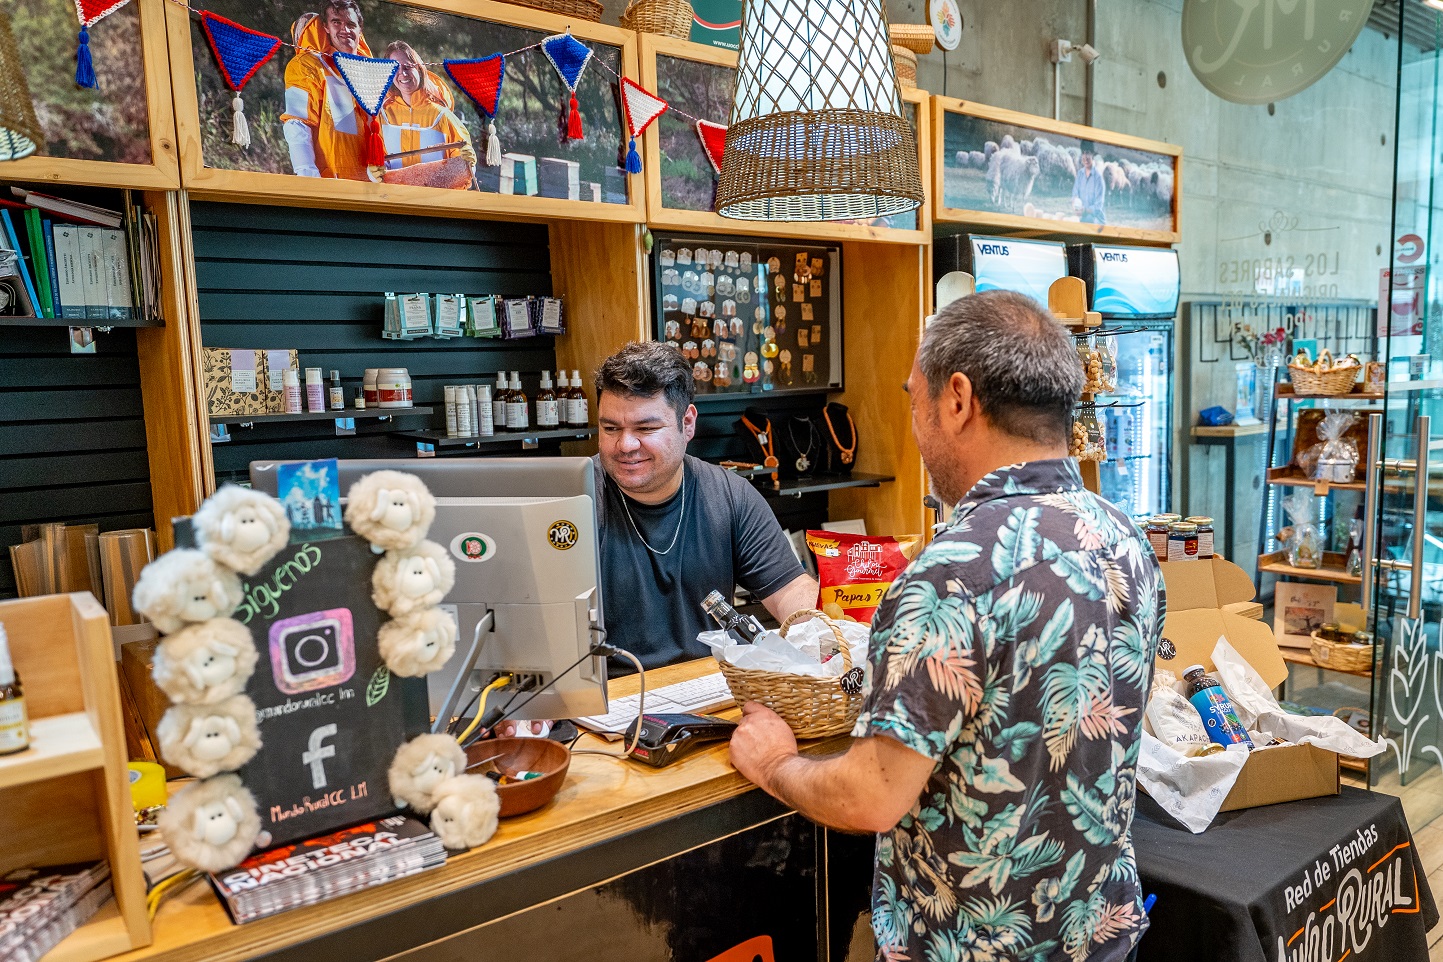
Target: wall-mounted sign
{"points": [[1259, 51], [717, 23], [946, 21]]}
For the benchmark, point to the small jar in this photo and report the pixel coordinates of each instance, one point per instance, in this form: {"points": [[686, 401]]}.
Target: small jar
{"points": [[1204, 536], [368, 387], [393, 388], [1157, 536], [1182, 541], [1332, 631]]}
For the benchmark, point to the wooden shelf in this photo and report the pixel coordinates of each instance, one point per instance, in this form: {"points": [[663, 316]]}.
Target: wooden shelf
{"points": [[1344, 761], [74, 322], [367, 414], [1285, 389], [1285, 476], [1273, 563], [100, 938], [1301, 656], [1228, 430], [59, 745]]}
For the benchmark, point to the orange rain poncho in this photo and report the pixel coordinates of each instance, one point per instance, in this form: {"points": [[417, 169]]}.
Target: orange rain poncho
{"points": [[317, 96], [422, 123]]}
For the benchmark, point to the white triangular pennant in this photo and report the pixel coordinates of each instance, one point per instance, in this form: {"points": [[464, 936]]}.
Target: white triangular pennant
{"points": [[642, 106], [368, 77]]}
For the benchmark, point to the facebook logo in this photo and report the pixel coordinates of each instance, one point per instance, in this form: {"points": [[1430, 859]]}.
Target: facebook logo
{"points": [[317, 752]]}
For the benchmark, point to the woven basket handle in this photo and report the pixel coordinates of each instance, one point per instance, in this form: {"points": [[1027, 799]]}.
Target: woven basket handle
{"points": [[806, 614], [1325, 360]]}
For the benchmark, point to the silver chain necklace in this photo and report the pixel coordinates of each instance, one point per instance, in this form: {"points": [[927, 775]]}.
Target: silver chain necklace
{"points": [[680, 521]]}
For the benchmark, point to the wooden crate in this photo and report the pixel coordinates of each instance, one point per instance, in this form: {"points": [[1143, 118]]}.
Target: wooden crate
{"points": [[67, 797]]}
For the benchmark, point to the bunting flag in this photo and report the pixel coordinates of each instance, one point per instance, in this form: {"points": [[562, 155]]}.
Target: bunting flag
{"points": [[481, 80], [90, 13], [368, 78], [240, 52], [569, 56], [641, 108], [713, 142]]}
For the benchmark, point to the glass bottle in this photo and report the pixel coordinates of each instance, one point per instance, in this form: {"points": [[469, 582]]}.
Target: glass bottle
{"points": [[14, 720], [744, 629]]}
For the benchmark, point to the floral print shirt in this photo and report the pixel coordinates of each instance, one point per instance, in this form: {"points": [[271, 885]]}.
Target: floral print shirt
{"points": [[1016, 652]]}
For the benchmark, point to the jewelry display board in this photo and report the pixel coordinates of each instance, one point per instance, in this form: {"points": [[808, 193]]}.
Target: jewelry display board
{"points": [[751, 317]]}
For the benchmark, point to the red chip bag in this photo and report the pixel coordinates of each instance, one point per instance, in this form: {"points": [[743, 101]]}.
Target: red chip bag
{"points": [[855, 570]]}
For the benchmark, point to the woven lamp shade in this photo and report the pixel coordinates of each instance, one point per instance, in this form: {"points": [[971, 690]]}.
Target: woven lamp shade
{"points": [[20, 133], [817, 131]]}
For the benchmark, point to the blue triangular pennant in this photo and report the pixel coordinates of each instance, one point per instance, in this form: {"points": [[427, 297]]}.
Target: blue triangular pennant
{"points": [[569, 56], [240, 51]]}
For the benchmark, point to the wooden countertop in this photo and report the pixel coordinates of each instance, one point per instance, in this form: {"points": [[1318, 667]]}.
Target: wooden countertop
{"points": [[602, 799]]}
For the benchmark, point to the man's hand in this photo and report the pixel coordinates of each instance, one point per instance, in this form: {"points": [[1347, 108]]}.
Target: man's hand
{"points": [[761, 743], [513, 729]]}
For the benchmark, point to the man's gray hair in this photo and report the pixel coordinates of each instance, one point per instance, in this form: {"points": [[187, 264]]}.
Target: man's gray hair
{"points": [[1023, 365]]}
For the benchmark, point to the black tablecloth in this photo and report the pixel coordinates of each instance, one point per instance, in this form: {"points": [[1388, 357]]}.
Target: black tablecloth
{"points": [[1237, 892]]}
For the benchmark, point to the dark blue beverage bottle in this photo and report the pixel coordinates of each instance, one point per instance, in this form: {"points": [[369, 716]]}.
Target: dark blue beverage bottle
{"points": [[1219, 716]]}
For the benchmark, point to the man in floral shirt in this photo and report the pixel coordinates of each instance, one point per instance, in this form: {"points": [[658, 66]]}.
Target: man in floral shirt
{"points": [[995, 754]]}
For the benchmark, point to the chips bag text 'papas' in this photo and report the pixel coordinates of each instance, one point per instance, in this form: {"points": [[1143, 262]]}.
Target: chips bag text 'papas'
{"points": [[856, 570]]}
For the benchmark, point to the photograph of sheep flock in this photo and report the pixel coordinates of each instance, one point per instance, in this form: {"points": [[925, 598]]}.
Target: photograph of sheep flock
{"points": [[1008, 169]]}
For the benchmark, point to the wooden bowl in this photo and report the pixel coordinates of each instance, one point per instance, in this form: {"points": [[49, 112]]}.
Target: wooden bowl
{"points": [[511, 755]]}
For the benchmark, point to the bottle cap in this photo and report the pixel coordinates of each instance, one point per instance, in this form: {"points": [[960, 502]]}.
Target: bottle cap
{"points": [[1192, 668], [483, 392], [313, 375], [561, 379], [335, 375], [576, 378], [7, 668], [290, 378], [546, 379]]}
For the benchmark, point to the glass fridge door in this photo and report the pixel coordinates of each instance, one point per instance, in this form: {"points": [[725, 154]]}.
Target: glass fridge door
{"points": [[1138, 423]]}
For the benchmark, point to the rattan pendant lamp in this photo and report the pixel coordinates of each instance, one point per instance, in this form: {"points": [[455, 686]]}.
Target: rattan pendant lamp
{"points": [[20, 133], [817, 131]]}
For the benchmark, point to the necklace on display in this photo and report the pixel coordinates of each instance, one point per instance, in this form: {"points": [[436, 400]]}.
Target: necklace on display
{"points": [[679, 523], [847, 453], [764, 441], [804, 460]]}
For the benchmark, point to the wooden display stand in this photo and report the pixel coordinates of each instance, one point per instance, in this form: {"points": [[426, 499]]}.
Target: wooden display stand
{"points": [[67, 797]]}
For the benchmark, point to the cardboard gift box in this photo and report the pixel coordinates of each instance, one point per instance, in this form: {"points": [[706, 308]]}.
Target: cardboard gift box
{"points": [[273, 389], [234, 378], [1204, 599]]}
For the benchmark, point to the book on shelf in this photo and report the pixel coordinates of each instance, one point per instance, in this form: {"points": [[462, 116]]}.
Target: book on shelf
{"points": [[71, 209], [40, 906], [328, 866]]}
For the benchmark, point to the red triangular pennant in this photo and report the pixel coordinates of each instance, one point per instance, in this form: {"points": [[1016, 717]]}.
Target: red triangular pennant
{"points": [[713, 141], [92, 11], [480, 80], [641, 106]]}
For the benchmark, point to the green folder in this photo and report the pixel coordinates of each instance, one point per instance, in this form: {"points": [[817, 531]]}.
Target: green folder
{"points": [[39, 262]]}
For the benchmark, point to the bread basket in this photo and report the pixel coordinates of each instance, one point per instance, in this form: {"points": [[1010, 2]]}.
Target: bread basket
{"points": [[1330, 381]]}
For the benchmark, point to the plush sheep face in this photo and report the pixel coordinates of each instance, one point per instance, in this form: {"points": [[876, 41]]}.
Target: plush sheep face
{"points": [[212, 737], [432, 771], [246, 530], [416, 577], [211, 666], [201, 599], [217, 822], [397, 510]]}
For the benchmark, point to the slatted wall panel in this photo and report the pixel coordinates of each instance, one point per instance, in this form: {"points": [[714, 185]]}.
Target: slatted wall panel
{"points": [[72, 435], [275, 278], [719, 437]]}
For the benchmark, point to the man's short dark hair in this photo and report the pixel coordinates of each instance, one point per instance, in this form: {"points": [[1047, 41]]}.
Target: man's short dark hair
{"points": [[645, 369], [1023, 365], [351, 5]]}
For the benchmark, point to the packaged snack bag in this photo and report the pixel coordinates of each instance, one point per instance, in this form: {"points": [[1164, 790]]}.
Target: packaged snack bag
{"points": [[856, 570]]}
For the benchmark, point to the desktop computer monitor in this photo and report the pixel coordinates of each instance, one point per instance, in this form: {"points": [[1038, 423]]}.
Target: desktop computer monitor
{"points": [[522, 532]]}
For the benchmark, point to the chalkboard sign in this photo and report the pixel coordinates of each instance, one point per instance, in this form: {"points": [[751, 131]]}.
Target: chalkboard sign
{"points": [[331, 716]]}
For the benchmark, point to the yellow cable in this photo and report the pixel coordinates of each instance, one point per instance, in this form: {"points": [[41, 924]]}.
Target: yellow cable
{"points": [[163, 888], [501, 682]]}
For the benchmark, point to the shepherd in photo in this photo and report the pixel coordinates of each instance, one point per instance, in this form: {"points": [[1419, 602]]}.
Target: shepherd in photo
{"points": [[324, 126], [422, 133], [1089, 190]]}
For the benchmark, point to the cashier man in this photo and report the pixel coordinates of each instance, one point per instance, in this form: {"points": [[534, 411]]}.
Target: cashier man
{"points": [[324, 126], [995, 754]]}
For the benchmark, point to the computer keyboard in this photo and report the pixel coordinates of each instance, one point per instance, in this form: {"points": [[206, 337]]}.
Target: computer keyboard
{"points": [[698, 696]]}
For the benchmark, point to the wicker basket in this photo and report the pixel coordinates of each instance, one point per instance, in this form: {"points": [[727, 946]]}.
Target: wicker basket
{"points": [[1339, 380], [1341, 657], [581, 9], [906, 62], [669, 18], [813, 707], [916, 37]]}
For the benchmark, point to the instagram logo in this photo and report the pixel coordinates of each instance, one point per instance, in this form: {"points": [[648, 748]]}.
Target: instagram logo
{"points": [[311, 651]]}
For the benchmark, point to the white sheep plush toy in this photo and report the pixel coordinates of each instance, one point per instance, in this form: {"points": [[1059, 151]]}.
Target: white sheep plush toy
{"points": [[183, 587], [391, 509], [408, 581], [205, 663], [419, 643], [421, 765], [205, 740], [240, 528], [211, 825], [466, 811]]}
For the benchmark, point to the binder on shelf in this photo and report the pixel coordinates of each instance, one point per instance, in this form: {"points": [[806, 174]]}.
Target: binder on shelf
{"points": [[47, 234], [92, 273], [71, 288], [39, 261], [119, 298]]}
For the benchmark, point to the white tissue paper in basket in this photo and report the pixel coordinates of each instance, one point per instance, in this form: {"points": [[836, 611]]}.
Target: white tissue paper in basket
{"points": [[797, 654], [1192, 790]]}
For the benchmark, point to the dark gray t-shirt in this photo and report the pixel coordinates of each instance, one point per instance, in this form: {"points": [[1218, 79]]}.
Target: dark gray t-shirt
{"points": [[728, 536]]}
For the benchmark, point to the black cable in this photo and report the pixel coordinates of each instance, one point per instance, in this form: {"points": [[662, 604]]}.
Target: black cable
{"points": [[598, 649]]}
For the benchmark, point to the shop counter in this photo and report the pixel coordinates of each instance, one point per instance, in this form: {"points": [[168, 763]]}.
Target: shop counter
{"points": [[1320, 879], [697, 830]]}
